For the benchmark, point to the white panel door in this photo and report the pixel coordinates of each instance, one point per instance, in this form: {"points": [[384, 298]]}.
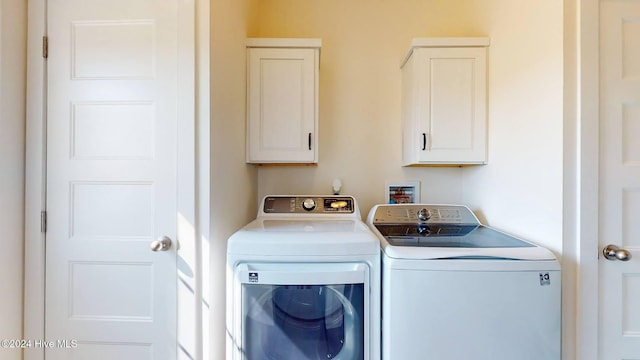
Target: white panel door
{"points": [[619, 314], [112, 124]]}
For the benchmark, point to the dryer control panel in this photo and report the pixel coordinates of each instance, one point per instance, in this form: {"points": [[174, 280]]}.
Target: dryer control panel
{"points": [[308, 204]]}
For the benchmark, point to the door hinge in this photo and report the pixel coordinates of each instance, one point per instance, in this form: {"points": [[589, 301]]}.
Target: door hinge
{"points": [[43, 221], [45, 47]]}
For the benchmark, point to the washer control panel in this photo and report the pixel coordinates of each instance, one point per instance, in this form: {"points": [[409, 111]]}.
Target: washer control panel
{"points": [[308, 204], [424, 213]]}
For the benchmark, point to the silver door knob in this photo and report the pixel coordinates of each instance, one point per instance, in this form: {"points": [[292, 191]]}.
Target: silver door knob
{"points": [[612, 252], [162, 244]]}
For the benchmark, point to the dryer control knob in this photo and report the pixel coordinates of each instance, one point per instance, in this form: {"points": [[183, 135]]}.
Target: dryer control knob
{"points": [[424, 215], [309, 204]]}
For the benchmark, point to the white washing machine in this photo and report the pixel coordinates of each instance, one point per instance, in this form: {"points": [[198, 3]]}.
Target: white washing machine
{"points": [[303, 283], [455, 289]]}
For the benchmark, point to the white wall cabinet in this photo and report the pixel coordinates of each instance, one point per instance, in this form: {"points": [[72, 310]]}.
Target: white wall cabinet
{"points": [[444, 101], [282, 100]]}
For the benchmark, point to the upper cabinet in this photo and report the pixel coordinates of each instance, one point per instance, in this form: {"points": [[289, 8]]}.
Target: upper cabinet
{"points": [[282, 100], [444, 102]]}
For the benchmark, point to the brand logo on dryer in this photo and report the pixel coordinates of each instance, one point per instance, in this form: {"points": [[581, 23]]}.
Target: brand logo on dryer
{"points": [[253, 277]]}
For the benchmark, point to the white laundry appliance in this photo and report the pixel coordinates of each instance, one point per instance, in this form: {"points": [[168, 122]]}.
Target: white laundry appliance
{"points": [[455, 289], [303, 283]]}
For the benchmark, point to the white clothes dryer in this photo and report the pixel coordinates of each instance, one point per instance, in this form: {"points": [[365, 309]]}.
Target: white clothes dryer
{"points": [[455, 289], [303, 283]]}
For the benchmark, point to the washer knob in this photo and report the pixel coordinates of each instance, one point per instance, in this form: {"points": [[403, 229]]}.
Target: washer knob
{"points": [[424, 215], [423, 230], [309, 204]]}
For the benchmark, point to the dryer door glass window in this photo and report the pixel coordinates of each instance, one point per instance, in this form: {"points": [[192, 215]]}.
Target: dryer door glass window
{"points": [[303, 322]]}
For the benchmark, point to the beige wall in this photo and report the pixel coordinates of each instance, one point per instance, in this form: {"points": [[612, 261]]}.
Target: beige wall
{"points": [[12, 129], [363, 43], [520, 191], [233, 183], [360, 126]]}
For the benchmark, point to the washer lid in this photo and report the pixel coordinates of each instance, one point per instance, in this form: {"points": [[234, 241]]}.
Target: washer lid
{"points": [[425, 231], [448, 236], [451, 241]]}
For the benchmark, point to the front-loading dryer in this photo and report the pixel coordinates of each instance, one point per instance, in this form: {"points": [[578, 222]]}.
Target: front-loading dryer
{"points": [[455, 289], [303, 283]]}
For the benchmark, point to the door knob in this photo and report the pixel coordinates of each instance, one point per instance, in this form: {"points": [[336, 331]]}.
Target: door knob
{"points": [[162, 244], [612, 252]]}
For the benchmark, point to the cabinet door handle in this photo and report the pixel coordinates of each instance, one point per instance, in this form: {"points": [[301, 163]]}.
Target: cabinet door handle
{"points": [[424, 141], [309, 141]]}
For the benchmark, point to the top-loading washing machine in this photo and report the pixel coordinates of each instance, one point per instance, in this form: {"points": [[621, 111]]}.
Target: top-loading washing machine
{"points": [[455, 289], [303, 282]]}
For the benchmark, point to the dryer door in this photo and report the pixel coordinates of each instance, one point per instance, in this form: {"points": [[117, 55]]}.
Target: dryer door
{"points": [[302, 311]]}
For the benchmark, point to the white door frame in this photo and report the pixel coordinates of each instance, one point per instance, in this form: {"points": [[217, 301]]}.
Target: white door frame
{"points": [[193, 227], [587, 168]]}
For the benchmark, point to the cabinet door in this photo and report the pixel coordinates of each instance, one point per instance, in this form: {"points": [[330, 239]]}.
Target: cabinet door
{"points": [[450, 108], [282, 111]]}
